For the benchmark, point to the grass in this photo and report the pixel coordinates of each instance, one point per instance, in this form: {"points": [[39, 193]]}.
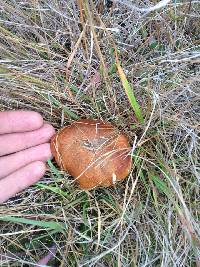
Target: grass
{"points": [[58, 58], [129, 92]]}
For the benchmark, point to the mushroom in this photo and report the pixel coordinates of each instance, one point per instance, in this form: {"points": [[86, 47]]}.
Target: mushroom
{"points": [[94, 152]]}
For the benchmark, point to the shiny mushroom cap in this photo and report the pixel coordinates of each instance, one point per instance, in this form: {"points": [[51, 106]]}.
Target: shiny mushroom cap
{"points": [[94, 152]]}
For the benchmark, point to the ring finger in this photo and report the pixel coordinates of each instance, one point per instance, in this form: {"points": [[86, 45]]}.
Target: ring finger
{"points": [[13, 162]]}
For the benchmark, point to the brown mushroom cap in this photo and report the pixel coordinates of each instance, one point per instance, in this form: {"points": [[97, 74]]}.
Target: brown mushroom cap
{"points": [[93, 152]]}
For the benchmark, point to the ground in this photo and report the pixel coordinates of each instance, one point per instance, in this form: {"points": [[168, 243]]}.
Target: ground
{"points": [[132, 63]]}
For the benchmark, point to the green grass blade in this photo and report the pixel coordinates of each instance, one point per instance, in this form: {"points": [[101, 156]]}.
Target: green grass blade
{"points": [[56, 103], [161, 185], [129, 92], [44, 224], [54, 169], [53, 189]]}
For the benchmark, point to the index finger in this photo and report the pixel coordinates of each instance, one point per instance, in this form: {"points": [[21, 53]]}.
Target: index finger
{"points": [[19, 121]]}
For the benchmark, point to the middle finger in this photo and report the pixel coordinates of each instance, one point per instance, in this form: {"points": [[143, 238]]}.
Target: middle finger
{"points": [[10, 143]]}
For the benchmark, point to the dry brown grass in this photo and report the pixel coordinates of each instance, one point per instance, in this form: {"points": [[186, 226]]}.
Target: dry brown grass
{"points": [[57, 58]]}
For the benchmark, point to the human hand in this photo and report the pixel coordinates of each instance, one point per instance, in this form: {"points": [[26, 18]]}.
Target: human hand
{"points": [[24, 148]]}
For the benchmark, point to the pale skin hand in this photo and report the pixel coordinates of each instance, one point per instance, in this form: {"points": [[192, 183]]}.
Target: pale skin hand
{"points": [[24, 149]]}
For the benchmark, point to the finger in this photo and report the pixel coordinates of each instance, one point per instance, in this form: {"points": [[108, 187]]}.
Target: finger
{"points": [[20, 159], [19, 121], [21, 179], [10, 143]]}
